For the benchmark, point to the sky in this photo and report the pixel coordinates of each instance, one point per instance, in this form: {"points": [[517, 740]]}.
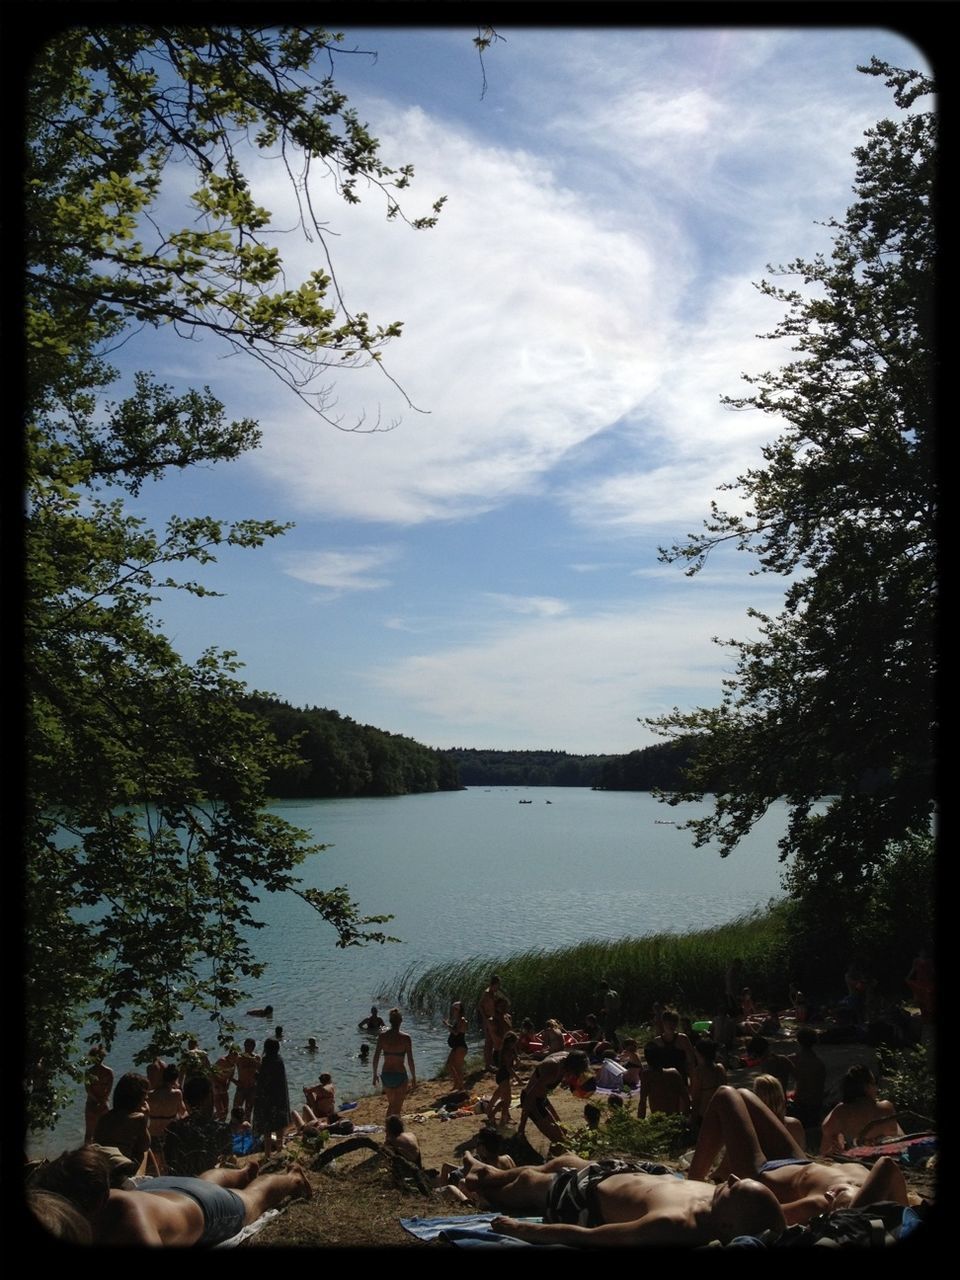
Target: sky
{"points": [[485, 573]]}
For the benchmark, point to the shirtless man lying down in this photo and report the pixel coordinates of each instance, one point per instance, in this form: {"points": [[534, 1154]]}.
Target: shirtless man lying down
{"points": [[618, 1203], [758, 1146]]}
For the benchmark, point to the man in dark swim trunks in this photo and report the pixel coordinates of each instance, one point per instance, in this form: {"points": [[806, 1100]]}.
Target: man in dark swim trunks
{"points": [[617, 1203], [168, 1211], [759, 1146]]}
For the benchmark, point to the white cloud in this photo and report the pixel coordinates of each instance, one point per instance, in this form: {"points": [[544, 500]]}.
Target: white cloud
{"points": [[541, 606], [342, 570], [528, 328], [576, 681]]}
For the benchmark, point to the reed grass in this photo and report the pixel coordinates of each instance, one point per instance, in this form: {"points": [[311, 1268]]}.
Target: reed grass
{"points": [[683, 970]]}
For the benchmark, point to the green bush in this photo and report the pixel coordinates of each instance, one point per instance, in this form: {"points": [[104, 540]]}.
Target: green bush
{"points": [[910, 1079], [656, 1136]]}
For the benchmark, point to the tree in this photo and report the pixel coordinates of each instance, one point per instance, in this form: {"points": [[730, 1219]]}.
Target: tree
{"points": [[836, 697], [146, 840]]}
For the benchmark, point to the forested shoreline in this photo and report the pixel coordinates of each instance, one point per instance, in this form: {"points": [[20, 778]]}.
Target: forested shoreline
{"points": [[329, 754]]}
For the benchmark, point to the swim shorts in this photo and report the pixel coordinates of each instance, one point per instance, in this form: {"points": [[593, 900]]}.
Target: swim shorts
{"points": [[224, 1213], [572, 1197]]}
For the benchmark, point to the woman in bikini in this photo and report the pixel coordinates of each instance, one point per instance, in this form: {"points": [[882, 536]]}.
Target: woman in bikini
{"points": [[457, 1040], [506, 1074], [166, 1104], [397, 1050]]}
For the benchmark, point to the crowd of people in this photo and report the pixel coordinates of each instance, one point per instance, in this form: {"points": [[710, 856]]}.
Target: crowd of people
{"points": [[754, 1164]]}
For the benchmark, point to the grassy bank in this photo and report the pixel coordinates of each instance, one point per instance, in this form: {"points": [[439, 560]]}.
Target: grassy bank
{"points": [[685, 970]]}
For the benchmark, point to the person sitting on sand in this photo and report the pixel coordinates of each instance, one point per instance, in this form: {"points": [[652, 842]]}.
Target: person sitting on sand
{"points": [[569, 1069], [396, 1049], [770, 1092], [373, 1023], [591, 1115], [197, 1141], [402, 1141], [662, 1086], [758, 1146], [127, 1125], [529, 1038], [629, 1056], [614, 1202], [859, 1115], [552, 1037], [178, 1211], [242, 1138], [810, 1073], [322, 1097], [761, 1058]]}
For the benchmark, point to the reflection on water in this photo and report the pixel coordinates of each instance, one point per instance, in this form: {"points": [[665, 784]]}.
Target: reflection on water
{"points": [[469, 873]]}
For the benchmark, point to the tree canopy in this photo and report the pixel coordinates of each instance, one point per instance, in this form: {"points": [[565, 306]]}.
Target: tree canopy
{"points": [[836, 697], [146, 838]]}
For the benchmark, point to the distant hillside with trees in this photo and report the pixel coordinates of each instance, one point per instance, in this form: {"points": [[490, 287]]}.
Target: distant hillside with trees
{"points": [[489, 768], [332, 755], [660, 766]]}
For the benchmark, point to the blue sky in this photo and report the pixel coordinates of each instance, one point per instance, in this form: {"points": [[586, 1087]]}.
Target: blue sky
{"points": [[485, 574]]}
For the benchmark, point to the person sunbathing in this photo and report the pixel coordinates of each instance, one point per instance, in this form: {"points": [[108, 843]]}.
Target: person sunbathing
{"points": [[171, 1210], [759, 1147], [858, 1114], [619, 1203]]}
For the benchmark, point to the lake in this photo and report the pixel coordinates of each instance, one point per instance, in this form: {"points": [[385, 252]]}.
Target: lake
{"points": [[468, 873]]}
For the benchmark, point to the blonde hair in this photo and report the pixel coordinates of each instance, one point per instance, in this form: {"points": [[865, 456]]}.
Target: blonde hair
{"points": [[770, 1092]]}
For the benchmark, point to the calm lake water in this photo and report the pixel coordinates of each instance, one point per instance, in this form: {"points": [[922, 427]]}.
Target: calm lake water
{"points": [[468, 873]]}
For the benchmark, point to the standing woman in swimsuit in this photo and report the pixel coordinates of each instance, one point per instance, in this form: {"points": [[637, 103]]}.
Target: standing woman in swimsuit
{"points": [[457, 1040], [397, 1050], [166, 1104]]}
